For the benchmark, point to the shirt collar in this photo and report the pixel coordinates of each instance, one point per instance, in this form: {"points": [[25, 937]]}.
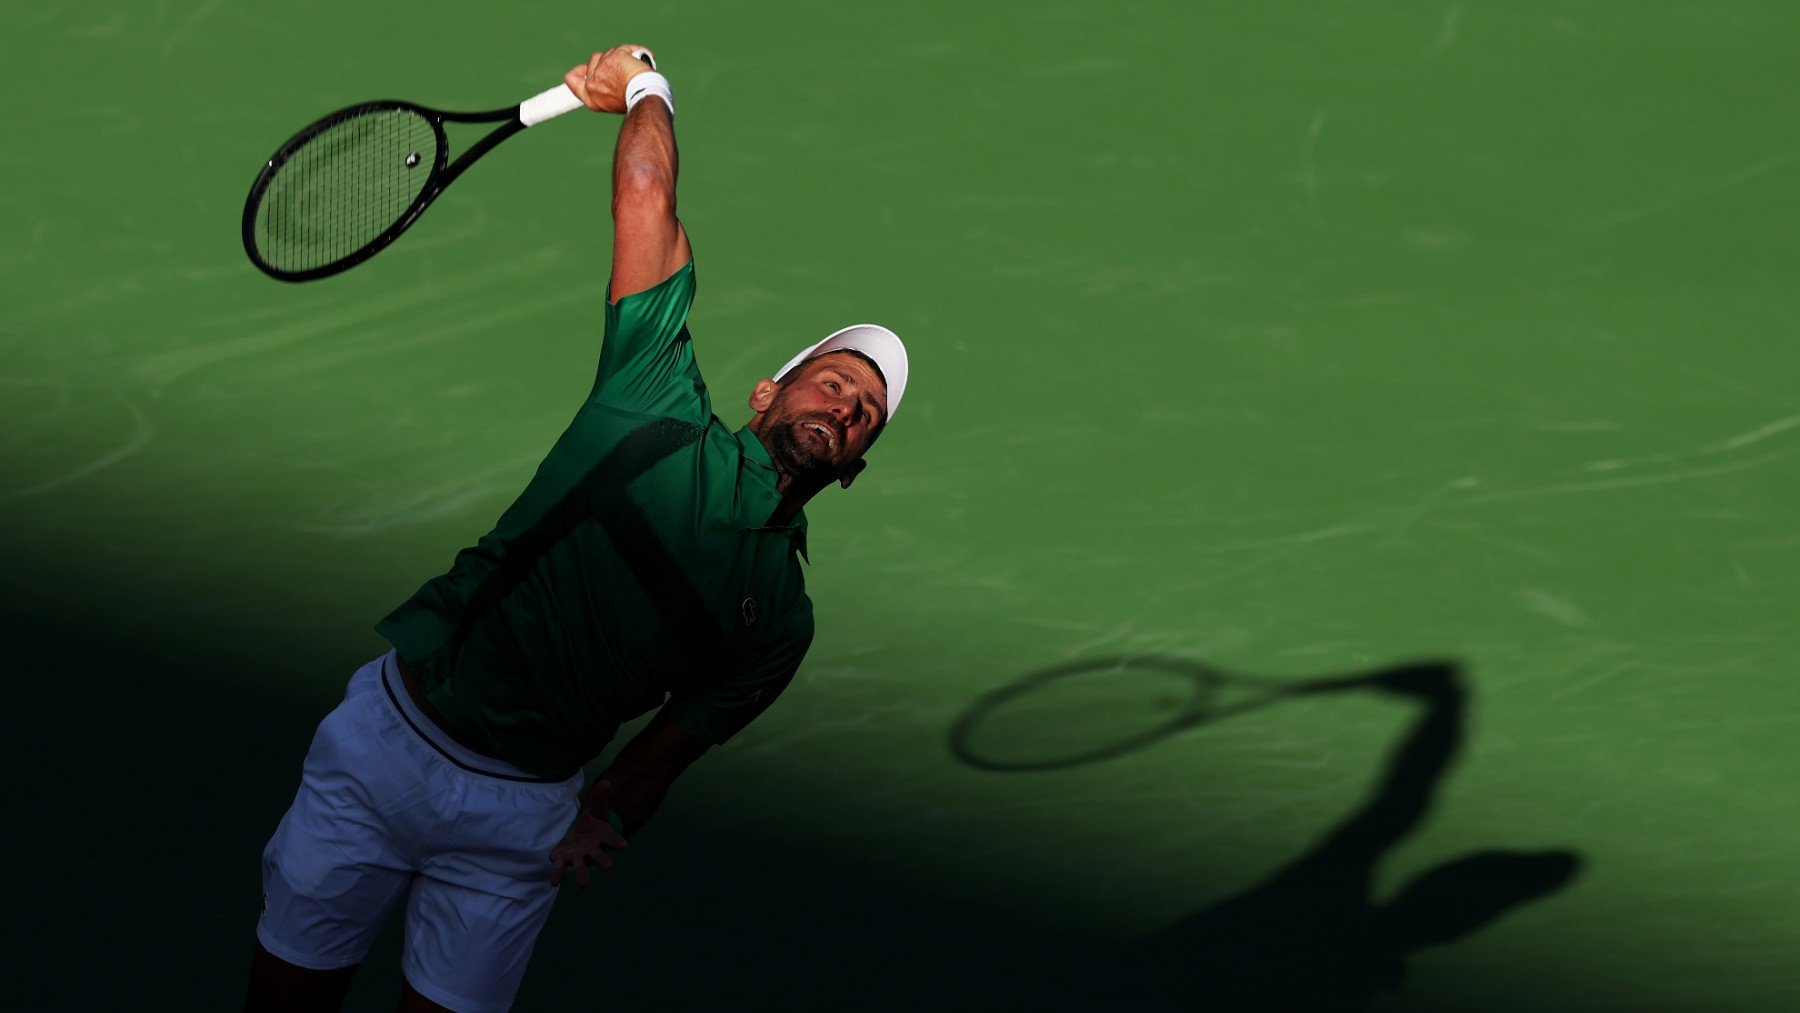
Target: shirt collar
{"points": [[760, 468]]}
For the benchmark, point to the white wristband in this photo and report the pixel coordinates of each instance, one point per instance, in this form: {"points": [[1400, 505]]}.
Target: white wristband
{"points": [[648, 83]]}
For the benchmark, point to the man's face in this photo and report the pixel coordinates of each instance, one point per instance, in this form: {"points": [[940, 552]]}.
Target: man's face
{"points": [[818, 425]]}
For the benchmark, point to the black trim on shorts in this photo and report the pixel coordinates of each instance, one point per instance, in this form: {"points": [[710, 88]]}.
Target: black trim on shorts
{"points": [[401, 710]]}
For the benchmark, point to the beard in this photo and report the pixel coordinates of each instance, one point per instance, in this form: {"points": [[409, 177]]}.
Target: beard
{"points": [[800, 454]]}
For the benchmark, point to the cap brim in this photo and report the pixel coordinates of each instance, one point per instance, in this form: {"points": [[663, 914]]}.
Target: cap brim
{"points": [[882, 346]]}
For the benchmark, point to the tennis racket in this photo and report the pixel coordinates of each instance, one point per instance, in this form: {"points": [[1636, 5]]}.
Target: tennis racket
{"points": [[1096, 710], [341, 190]]}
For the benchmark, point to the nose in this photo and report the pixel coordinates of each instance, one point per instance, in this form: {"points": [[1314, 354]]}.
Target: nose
{"points": [[843, 409]]}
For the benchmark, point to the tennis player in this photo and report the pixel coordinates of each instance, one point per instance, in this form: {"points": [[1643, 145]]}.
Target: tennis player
{"points": [[649, 565]]}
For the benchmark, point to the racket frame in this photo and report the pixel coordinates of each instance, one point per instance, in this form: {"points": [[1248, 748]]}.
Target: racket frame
{"points": [[443, 173]]}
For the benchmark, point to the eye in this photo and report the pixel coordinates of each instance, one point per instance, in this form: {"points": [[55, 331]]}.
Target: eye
{"points": [[833, 384]]}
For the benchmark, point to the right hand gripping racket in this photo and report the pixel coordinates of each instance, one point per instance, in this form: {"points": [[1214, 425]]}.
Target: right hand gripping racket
{"points": [[339, 191]]}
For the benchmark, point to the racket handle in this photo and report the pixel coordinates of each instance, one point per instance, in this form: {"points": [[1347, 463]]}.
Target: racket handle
{"points": [[548, 105]]}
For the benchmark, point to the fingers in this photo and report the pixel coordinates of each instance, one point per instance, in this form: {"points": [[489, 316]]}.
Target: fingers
{"points": [[600, 82], [560, 865], [576, 80], [578, 857], [627, 62], [594, 832]]}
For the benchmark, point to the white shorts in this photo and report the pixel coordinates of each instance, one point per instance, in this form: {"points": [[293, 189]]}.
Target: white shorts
{"points": [[388, 807]]}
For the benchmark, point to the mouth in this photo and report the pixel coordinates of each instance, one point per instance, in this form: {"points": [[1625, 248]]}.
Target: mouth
{"points": [[821, 433]]}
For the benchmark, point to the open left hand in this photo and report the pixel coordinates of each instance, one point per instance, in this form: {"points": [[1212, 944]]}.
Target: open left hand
{"points": [[587, 842]]}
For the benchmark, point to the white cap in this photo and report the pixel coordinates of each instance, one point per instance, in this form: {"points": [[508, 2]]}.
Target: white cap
{"points": [[881, 345]]}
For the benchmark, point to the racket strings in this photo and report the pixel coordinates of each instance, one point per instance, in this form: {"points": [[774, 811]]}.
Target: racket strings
{"points": [[344, 187]]}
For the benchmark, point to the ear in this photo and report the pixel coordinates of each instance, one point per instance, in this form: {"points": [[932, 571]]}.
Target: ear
{"points": [[853, 469], [762, 395]]}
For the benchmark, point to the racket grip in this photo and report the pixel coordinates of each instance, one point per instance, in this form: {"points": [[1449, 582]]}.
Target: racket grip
{"points": [[548, 105]]}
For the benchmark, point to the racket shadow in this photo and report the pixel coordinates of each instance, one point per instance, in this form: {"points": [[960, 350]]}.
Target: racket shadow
{"points": [[1311, 936], [1104, 708]]}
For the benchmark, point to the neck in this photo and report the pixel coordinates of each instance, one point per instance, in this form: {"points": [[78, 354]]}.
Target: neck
{"points": [[795, 489], [795, 493]]}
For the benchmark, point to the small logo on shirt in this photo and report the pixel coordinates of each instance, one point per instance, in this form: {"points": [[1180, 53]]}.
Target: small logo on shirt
{"points": [[749, 610]]}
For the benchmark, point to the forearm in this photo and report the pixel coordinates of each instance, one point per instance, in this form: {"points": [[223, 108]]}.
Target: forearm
{"points": [[633, 796], [638, 778], [645, 162]]}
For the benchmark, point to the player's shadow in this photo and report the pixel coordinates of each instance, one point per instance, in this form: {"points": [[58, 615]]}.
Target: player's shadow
{"points": [[1312, 936]]}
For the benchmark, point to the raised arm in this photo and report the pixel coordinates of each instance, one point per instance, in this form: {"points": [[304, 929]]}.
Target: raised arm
{"points": [[649, 243]]}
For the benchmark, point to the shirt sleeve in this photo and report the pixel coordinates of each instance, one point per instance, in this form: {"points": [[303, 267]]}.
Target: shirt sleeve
{"points": [[720, 711], [647, 359]]}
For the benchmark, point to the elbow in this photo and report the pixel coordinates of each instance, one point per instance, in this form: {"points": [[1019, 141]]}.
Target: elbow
{"points": [[643, 192]]}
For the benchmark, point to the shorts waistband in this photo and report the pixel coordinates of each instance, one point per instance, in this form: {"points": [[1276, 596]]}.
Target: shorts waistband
{"points": [[440, 740]]}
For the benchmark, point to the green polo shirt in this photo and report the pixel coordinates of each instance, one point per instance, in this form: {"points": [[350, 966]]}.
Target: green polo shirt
{"points": [[635, 568]]}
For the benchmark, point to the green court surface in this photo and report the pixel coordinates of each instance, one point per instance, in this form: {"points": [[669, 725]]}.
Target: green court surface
{"points": [[1289, 339]]}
